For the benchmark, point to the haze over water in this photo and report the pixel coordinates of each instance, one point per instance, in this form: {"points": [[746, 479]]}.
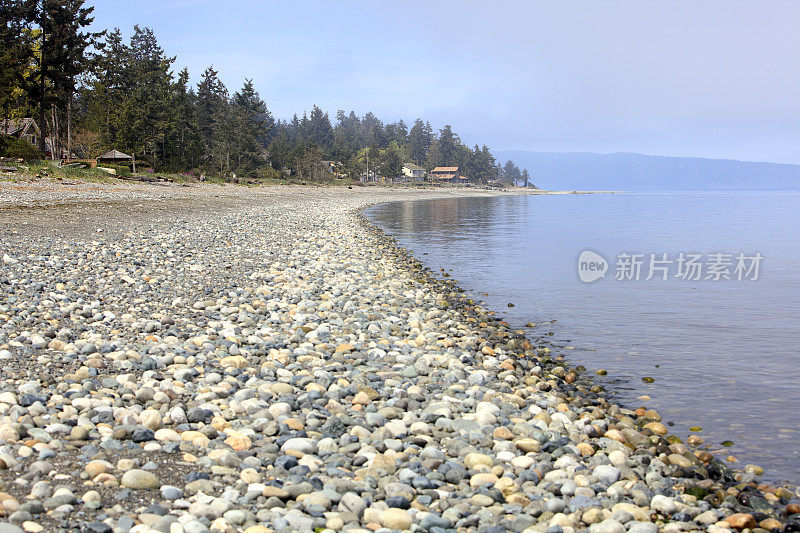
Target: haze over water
{"points": [[724, 355]]}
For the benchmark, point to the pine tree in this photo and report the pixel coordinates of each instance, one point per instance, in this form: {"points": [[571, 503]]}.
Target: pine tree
{"points": [[102, 96], [511, 173], [253, 123], [400, 133], [448, 144], [526, 178], [61, 57], [212, 118], [320, 131], [419, 141], [16, 55], [391, 161], [187, 149], [146, 112], [347, 137]]}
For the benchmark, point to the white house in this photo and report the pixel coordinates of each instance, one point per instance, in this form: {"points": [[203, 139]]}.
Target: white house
{"points": [[410, 170]]}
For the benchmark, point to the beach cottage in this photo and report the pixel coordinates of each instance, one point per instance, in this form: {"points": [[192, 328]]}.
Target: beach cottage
{"points": [[446, 174], [412, 171], [21, 128]]}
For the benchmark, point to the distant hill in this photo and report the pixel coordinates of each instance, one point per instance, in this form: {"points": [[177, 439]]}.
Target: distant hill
{"points": [[639, 172]]}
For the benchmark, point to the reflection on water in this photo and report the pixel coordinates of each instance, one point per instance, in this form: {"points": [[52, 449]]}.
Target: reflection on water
{"points": [[724, 355]]}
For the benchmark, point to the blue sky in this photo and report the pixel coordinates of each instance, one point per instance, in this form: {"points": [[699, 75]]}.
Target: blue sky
{"points": [[689, 78]]}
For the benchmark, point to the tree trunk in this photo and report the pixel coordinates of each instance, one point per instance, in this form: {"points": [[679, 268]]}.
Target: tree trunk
{"points": [[69, 126], [42, 73], [54, 136], [42, 116]]}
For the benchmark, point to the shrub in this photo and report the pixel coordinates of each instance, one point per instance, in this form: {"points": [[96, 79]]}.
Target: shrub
{"points": [[121, 170], [18, 149]]}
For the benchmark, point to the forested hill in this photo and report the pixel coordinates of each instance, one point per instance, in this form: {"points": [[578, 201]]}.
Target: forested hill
{"points": [[639, 172]]}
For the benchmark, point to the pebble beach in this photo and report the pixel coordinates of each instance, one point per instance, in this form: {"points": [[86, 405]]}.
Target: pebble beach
{"points": [[194, 359]]}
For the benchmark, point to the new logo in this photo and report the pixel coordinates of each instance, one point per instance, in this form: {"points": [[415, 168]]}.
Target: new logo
{"points": [[591, 266]]}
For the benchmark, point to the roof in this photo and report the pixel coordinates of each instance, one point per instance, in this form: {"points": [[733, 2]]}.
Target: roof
{"points": [[13, 126], [445, 176], [412, 166], [114, 154], [445, 169]]}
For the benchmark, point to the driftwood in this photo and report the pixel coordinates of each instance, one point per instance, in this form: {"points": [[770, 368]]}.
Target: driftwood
{"points": [[8, 169], [146, 179], [77, 164]]}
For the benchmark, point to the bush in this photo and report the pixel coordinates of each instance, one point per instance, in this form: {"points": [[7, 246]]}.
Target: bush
{"points": [[267, 173], [14, 148]]}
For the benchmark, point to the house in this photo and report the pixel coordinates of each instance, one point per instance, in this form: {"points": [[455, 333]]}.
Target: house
{"points": [[21, 128], [412, 171], [28, 130], [114, 157], [446, 174]]}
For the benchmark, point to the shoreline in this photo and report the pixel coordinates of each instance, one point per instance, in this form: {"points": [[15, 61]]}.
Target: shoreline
{"points": [[322, 324], [611, 395]]}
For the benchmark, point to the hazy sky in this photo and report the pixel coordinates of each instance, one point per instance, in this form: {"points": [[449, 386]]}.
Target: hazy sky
{"points": [[696, 78]]}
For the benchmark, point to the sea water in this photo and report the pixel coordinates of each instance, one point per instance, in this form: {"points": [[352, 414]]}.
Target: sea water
{"points": [[720, 336]]}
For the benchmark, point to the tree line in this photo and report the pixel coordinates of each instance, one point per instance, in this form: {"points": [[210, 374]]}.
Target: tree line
{"points": [[93, 91]]}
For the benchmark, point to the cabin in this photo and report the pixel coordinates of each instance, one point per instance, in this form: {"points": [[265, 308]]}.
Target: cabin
{"points": [[446, 174], [412, 171], [21, 128], [27, 129]]}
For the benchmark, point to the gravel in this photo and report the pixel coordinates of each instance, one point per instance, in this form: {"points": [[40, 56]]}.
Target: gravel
{"points": [[227, 359]]}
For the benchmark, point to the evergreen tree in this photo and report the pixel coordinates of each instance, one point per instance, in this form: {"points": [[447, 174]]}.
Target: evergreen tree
{"points": [[526, 178], [370, 125], [187, 148], [511, 173], [485, 164], [106, 88], [61, 57], [212, 118], [347, 139], [400, 133], [377, 137], [448, 144], [16, 56], [391, 161], [419, 141], [320, 131], [146, 111], [294, 130], [253, 124]]}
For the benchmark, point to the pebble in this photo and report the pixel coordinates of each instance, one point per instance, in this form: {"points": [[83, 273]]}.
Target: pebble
{"points": [[140, 479], [277, 365], [396, 519]]}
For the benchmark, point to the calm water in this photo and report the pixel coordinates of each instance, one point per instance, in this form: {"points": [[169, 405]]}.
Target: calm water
{"points": [[725, 355]]}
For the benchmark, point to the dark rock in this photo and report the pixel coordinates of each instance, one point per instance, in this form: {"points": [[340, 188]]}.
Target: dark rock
{"points": [[143, 435], [196, 414]]}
